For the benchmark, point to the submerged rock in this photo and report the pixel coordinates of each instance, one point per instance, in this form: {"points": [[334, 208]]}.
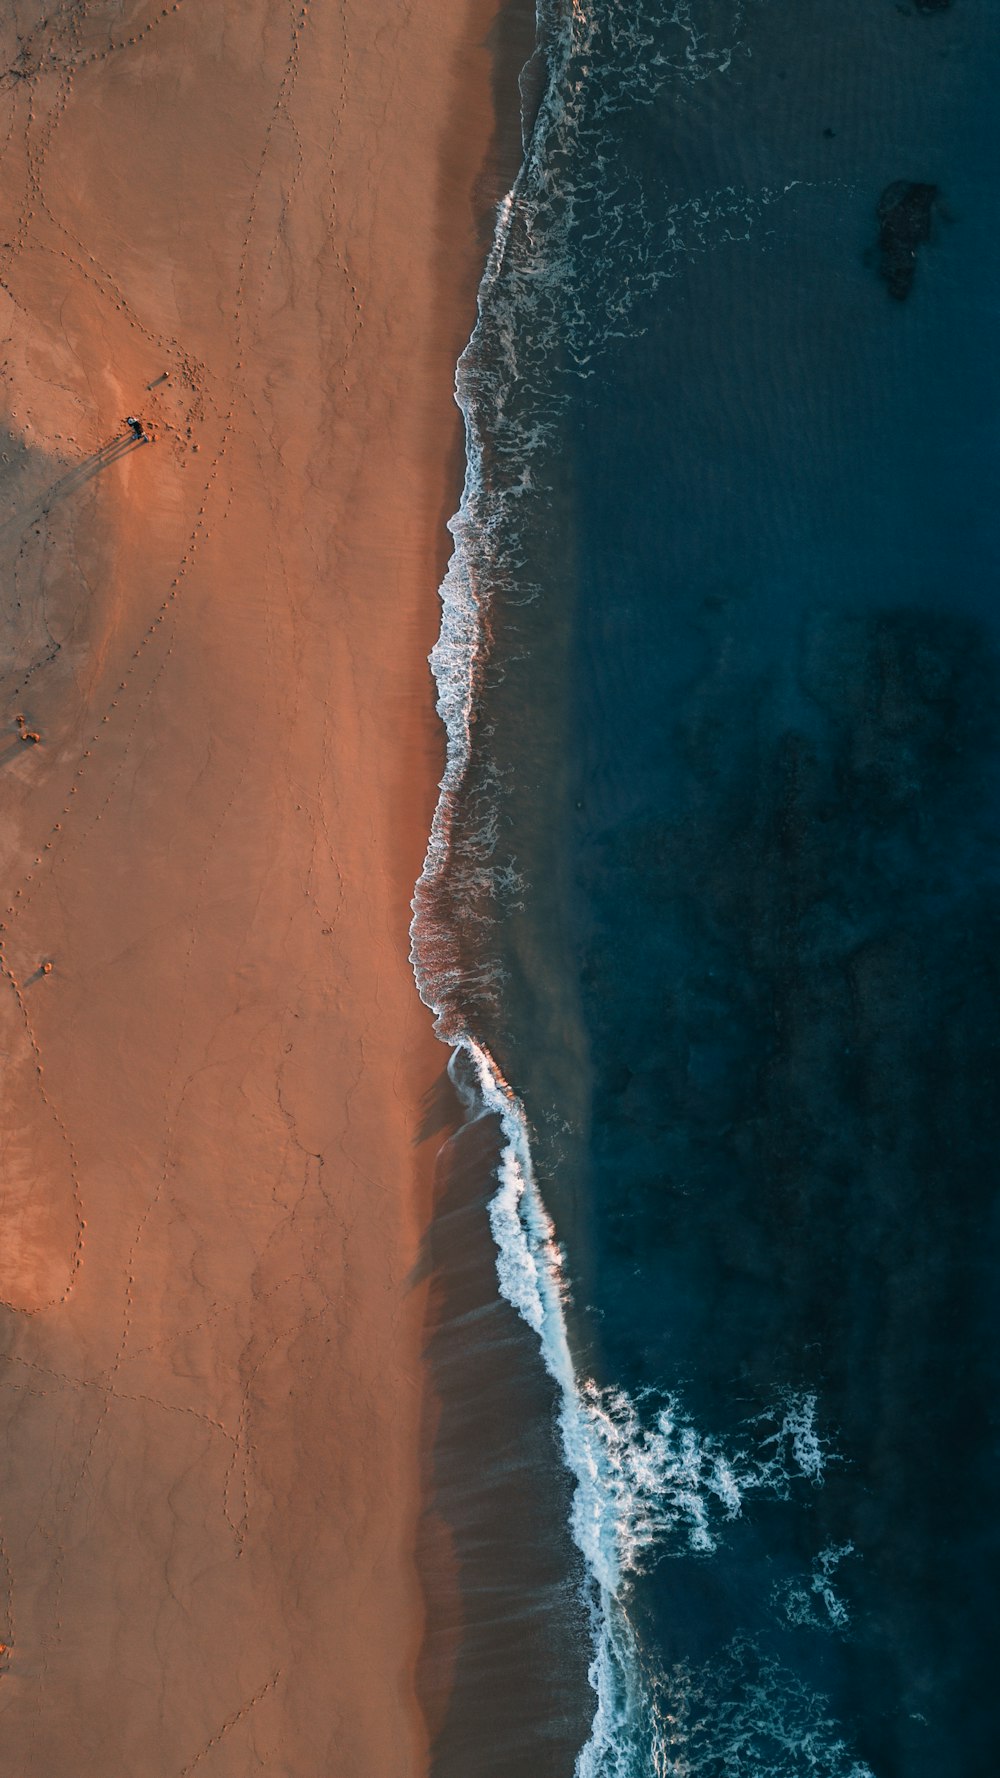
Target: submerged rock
{"points": [[905, 215]]}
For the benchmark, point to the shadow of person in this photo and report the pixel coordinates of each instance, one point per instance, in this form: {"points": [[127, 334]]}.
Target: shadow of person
{"points": [[112, 451]]}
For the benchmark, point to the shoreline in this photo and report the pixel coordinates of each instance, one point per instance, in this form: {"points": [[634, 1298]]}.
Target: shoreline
{"points": [[214, 1322], [507, 1671]]}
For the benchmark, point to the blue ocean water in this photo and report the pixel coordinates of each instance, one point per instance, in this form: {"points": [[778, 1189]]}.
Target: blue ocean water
{"points": [[710, 914]]}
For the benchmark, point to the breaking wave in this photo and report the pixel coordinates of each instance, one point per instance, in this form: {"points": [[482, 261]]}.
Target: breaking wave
{"points": [[646, 1484]]}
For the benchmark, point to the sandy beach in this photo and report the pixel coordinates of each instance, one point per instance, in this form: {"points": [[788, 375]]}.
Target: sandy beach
{"points": [[257, 228]]}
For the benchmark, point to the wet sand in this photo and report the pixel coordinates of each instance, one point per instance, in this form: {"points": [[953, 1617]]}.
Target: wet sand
{"points": [[254, 226]]}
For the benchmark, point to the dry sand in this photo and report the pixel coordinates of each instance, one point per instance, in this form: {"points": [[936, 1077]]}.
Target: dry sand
{"points": [[252, 224]]}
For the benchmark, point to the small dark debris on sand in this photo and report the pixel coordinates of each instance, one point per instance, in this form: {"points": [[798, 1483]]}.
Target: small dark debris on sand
{"points": [[905, 217]]}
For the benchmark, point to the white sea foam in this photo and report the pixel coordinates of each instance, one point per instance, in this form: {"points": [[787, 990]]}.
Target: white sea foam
{"points": [[799, 1602], [564, 279]]}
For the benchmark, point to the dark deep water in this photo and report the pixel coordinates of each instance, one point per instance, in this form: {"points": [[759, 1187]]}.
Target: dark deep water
{"points": [[743, 725]]}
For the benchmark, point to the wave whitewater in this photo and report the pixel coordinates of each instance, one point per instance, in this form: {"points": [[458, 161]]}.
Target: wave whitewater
{"points": [[642, 1482]]}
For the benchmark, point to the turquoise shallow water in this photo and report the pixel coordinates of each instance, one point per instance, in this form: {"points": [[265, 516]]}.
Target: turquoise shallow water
{"points": [[712, 902]]}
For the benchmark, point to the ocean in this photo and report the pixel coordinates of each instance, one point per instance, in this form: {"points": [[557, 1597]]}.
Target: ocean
{"points": [[710, 916]]}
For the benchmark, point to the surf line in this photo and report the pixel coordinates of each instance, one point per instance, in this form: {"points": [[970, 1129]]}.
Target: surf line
{"points": [[529, 1260], [626, 1732]]}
